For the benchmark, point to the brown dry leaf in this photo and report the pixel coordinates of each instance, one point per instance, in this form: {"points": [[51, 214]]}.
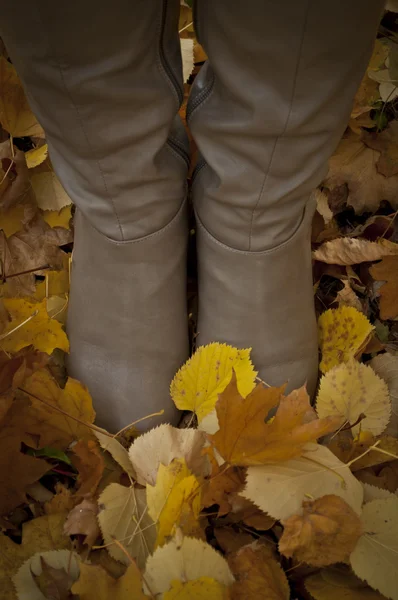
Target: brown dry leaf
{"points": [[387, 270], [95, 583], [54, 582], [257, 575], [38, 535], [386, 366], [386, 479], [333, 583], [246, 511], [347, 297], [325, 533], [352, 251], [31, 583], [386, 142], [89, 462], [353, 165], [220, 486], [82, 520], [230, 540], [17, 470], [244, 438], [14, 178], [61, 502], [55, 428]]}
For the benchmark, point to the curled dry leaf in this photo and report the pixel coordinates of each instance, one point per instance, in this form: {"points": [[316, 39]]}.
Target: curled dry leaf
{"points": [[200, 380], [174, 501], [347, 297], [123, 516], [375, 558], [354, 392], [279, 489], [257, 575], [116, 450], [387, 270], [173, 561], [88, 461], [386, 366], [66, 562], [333, 583], [95, 583], [82, 520], [163, 444], [352, 251], [244, 438], [325, 533], [342, 333]]}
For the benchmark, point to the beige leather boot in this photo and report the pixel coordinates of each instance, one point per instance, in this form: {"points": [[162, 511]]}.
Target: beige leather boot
{"points": [[267, 111], [105, 81]]}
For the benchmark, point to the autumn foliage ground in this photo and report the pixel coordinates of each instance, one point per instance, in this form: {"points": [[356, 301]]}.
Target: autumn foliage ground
{"points": [[262, 495]]}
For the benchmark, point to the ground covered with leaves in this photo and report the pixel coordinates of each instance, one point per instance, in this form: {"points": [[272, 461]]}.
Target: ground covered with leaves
{"points": [[262, 495]]}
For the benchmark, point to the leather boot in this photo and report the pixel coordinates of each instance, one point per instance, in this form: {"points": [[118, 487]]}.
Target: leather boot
{"points": [[267, 110], [105, 82]]}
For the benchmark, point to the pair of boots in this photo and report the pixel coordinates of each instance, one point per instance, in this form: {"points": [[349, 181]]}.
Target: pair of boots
{"points": [[266, 111]]}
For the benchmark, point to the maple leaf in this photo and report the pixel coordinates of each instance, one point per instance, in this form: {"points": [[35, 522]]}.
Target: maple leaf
{"points": [[31, 325], [354, 392], [174, 501], [89, 462], [325, 533], [386, 142], [220, 486], [258, 575], [95, 583], [387, 270], [199, 381], [342, 333], [244, 438]]}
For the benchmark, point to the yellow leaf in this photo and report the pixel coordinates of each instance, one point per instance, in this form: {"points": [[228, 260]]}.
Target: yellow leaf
{"points": [[60, 218], [204, 587], [16, 116], [50, 194], [333, 583], [197, 384], [325, 533], [353, 390], [343, 332], [245, 438], [55, 284], [174, 501], [12, 219], [95, 583], [258, 575], [36, 156], [186, 560], [31, 325]]}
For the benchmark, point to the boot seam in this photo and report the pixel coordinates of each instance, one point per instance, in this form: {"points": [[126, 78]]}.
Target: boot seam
{"points": [[145, 238], [305, 217]]}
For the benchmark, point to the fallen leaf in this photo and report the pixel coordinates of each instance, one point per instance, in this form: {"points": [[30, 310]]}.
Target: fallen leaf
{"points": [[62, 501], [244, 438], [54, 582], [353, 165], [55, 428], [163, 444], [39, 535], [31, 325], [58, 218], [16, 116], [342, 333], [219, 487], [347, 297], [82, 520], [386, 366], [95, 583], [230, 540], [325, 533], [116, 450], [371, 492], [322, 205], [204, 587], [90, 464], [36, 156], [330, 584], [174, 501], [14, 177], [173, 562], [123, 516], [14, 218], [200, 380], [352, 251], [257, 575], [374, 558], [387, 270], [64, 561], [187, 57], [386, 142], [49, 192], [279, 489], [246, 511], [354, 392]]}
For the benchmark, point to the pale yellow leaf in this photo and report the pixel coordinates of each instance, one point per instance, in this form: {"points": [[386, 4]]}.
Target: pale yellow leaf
{"points": [[375, 557], [117, 451], [36, 156], [352, 251], [31, 325], [123, 516], [95, 583], [161, 445], [279, 489], [351, 390], [58, 559], [342, 333], [187, 560], [371, 492], [386, 366], [338, 584], [197, 384], [347, 297], [199, 589], [50, 194]]}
